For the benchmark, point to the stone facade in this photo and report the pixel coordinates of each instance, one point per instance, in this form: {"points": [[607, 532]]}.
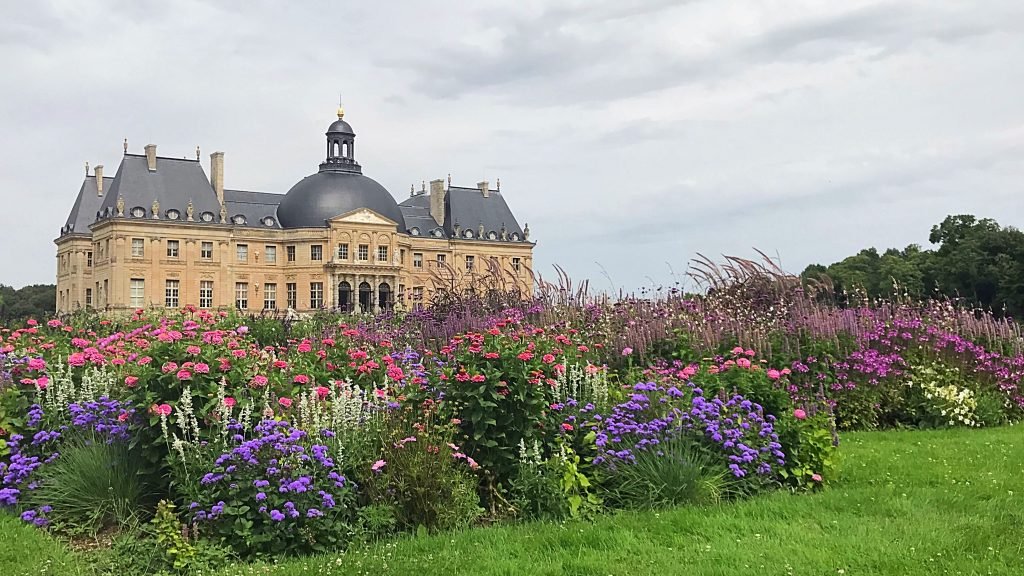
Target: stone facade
{"points": [[171, 256]]}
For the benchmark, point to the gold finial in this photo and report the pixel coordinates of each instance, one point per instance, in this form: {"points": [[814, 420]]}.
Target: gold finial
{"points": [[197, 153], [125, 145], [86, 168], [341, 112]]}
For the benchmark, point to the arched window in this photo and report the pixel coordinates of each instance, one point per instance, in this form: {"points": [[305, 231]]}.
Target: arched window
{"points": [[334, 153], [344, 149]]}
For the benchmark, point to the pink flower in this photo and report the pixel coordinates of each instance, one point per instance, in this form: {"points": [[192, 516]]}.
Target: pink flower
{"points": [[737, 350], [202, 368], [799, 414], [816, 477], [566, 426], [76, 359], [168, 367], [743, 363], [42, 382], [749, 352], [627, 351], [378, 465], [322, 392], [161, 409], [773, 374], [54, 323], [525, 356], [229, 402], [242, 329], [36, 364], [285, 402], [184, 375], [194, 350], [301, 379], [258, 381], [548, 358], [131, 381], [472, 463]]}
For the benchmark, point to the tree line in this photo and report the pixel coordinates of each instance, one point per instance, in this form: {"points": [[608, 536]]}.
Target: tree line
{"points": [[973, 259], [36, 301]]}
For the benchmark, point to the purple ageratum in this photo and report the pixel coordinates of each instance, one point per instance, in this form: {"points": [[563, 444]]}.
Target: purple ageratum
{"points": [[735, 427]]}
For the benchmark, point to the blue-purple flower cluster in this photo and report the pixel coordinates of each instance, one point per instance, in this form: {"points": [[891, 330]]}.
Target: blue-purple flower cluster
{"points": [[104, 420], [282, 475], [733, 427]]}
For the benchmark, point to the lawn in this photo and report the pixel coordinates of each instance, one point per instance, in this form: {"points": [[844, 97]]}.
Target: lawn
{"points": [[940, 502]]}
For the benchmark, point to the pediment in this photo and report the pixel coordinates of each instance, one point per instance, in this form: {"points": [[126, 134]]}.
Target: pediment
{"points": [[362, 216]]}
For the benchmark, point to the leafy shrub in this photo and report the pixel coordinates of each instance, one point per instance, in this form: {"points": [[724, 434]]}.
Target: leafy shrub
{"points": [[536, 489], [810, 447], [423, 477]]}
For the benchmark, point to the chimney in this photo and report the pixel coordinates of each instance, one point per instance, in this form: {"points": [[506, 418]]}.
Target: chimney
{"points": [[437, 200], [99, 180], [151, 157], [485, 188], [217, 175]]}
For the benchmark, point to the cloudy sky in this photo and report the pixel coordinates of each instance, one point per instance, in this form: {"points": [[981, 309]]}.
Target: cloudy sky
{"points": [[630, 135]]}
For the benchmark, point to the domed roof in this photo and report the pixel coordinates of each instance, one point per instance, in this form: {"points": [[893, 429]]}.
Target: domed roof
{"points": [[338, 187], [326, 194]]}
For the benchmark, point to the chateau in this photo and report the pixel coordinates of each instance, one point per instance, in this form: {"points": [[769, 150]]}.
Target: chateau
{"points": [[162, 234]]}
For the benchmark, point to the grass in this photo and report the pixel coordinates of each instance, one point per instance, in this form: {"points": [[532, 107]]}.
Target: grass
{"points": [[909, 503]]}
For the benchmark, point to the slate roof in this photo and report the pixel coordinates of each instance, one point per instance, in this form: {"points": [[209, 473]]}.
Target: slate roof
{"points": [[466, 207], [83, 213], [255, 207], [174, 182]]}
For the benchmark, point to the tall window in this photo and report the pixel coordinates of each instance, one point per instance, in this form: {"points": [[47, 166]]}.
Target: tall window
{"points": [[401, 256], [441, 259], [470, 261], [342, 251], [106, 292], [206, 293], [417, 297], [243, 252], [316, 294], [88, 297], [382, 253], [88, 260], [241, 295], [270, 296], [170, 293], [172, 248], [270, 254], [292, 295], [290, 253], [206, 251], [516, 264], [316, 252], [364, 252], [417, 260], [138, 247]]}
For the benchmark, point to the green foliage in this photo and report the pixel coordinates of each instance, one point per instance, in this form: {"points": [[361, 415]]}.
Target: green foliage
{"points": [[677, 473], [92, 486], [577, 489], [184, 555], [811, 450], [422, 477]]}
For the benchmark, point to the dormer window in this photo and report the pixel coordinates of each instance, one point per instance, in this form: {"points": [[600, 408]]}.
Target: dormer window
{"points": [[468, 233], [238, 219], [138, 212], [437, 233], [414, 231], [514, 236], [173, 214], [268, 221], [206, 216], [492, 235]]}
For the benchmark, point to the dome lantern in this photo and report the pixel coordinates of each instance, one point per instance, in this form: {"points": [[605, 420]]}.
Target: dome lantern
{"points": [[341, 147]]}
